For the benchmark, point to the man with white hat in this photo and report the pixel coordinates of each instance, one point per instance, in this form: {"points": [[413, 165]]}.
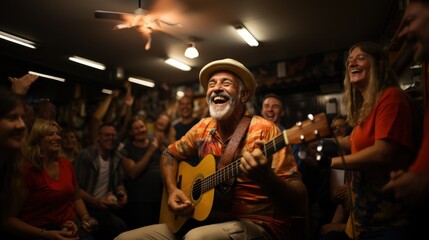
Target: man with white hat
{"points": [[264, 193]]}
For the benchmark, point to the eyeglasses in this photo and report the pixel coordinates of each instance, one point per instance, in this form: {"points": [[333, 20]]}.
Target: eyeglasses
{"points": [[359, 57]]}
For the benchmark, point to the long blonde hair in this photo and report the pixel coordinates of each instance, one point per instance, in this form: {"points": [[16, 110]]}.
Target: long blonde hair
{"points": [[40, 129], [381, 76]]}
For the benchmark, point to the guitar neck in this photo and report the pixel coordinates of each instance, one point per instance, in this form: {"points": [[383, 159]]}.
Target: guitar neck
{"points": [[317, 126], [231, 170]]}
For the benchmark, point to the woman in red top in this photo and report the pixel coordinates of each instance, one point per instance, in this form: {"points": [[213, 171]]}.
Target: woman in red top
{"points": [[51, 204], [381, 141]]}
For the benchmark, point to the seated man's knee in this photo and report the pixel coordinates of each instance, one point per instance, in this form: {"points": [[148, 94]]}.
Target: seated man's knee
{"points": [[195, 234]]}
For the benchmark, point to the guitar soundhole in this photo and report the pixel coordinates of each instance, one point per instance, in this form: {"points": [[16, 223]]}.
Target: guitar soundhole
{"points": [[196, 190]]}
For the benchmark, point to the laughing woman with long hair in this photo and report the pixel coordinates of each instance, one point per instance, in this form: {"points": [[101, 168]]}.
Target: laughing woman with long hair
{"points": [[382, 140], [52, 207]]}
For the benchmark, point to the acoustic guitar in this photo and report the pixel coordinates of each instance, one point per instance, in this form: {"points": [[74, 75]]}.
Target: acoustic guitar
{"points": [[198, 182]]}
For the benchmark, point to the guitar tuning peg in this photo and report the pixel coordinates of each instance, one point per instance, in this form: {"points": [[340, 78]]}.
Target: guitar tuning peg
{"points": [[298, 124], [316, 133], [310, 117], [318, 156]]}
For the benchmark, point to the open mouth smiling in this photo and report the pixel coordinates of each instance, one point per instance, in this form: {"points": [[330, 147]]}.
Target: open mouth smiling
{"points": [[269, 116], [219, 99], [355, 71]]}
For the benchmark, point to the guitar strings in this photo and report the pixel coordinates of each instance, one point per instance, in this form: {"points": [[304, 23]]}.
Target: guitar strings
{"points": [[205, 183]]}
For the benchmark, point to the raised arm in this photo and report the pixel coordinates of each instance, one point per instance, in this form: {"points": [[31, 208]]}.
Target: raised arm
{"points": [[21, 85]]}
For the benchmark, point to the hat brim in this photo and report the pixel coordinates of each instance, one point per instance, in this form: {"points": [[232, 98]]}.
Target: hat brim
{"points": [[229, 65]]}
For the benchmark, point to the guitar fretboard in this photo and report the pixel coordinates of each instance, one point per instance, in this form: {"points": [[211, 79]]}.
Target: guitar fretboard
{"points": [[231, 170]]}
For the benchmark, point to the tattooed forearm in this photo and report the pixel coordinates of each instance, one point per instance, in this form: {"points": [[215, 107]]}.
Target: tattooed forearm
{"points": [[170, 162]]}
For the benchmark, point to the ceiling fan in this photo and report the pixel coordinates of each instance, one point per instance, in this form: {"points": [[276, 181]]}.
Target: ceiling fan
{"points": [[145, 21]]}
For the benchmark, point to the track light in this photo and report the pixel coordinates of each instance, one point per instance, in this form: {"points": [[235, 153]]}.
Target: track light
{"points": [[17, 40], [246, 35], [142, 81], [177, 64], [47, 76], [87, 62], [191, 52]]}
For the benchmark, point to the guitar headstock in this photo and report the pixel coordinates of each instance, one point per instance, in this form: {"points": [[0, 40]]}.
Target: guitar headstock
{"points": [[317, 126]]}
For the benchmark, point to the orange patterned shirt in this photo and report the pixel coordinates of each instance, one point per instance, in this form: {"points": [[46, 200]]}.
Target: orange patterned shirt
{"points": [[250, 202]]}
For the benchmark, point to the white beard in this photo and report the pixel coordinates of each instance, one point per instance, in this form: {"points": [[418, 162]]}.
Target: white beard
{"points": [[222, 112]]}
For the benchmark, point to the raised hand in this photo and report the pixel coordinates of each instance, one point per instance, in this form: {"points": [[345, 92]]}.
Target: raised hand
{"points": [[22, 84]]}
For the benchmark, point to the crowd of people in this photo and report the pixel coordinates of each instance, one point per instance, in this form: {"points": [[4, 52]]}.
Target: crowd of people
{"points": [[224, 176]]}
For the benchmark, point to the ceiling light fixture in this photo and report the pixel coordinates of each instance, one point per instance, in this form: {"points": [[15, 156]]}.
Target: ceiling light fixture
{"points": [[246, 35], [17, 40], [177, 64], [142, 81], [47, 76], [191, 52], [106, 91], [87, 62]]}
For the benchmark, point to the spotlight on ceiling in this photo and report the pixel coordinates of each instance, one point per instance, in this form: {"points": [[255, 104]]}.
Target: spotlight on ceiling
{"points": [[191, 52]]}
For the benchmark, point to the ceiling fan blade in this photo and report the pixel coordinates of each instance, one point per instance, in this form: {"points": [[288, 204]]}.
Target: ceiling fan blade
{"points": [[149, 41], [160, 9], [129, 20], [120, 16], [170, 23], [147, 33]]}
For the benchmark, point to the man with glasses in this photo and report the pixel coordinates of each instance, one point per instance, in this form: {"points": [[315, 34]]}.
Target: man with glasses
{"points": [[99, 175]]}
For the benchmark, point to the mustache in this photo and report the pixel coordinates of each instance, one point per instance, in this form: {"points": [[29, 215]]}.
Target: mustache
{"points": [[220, 94]]}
